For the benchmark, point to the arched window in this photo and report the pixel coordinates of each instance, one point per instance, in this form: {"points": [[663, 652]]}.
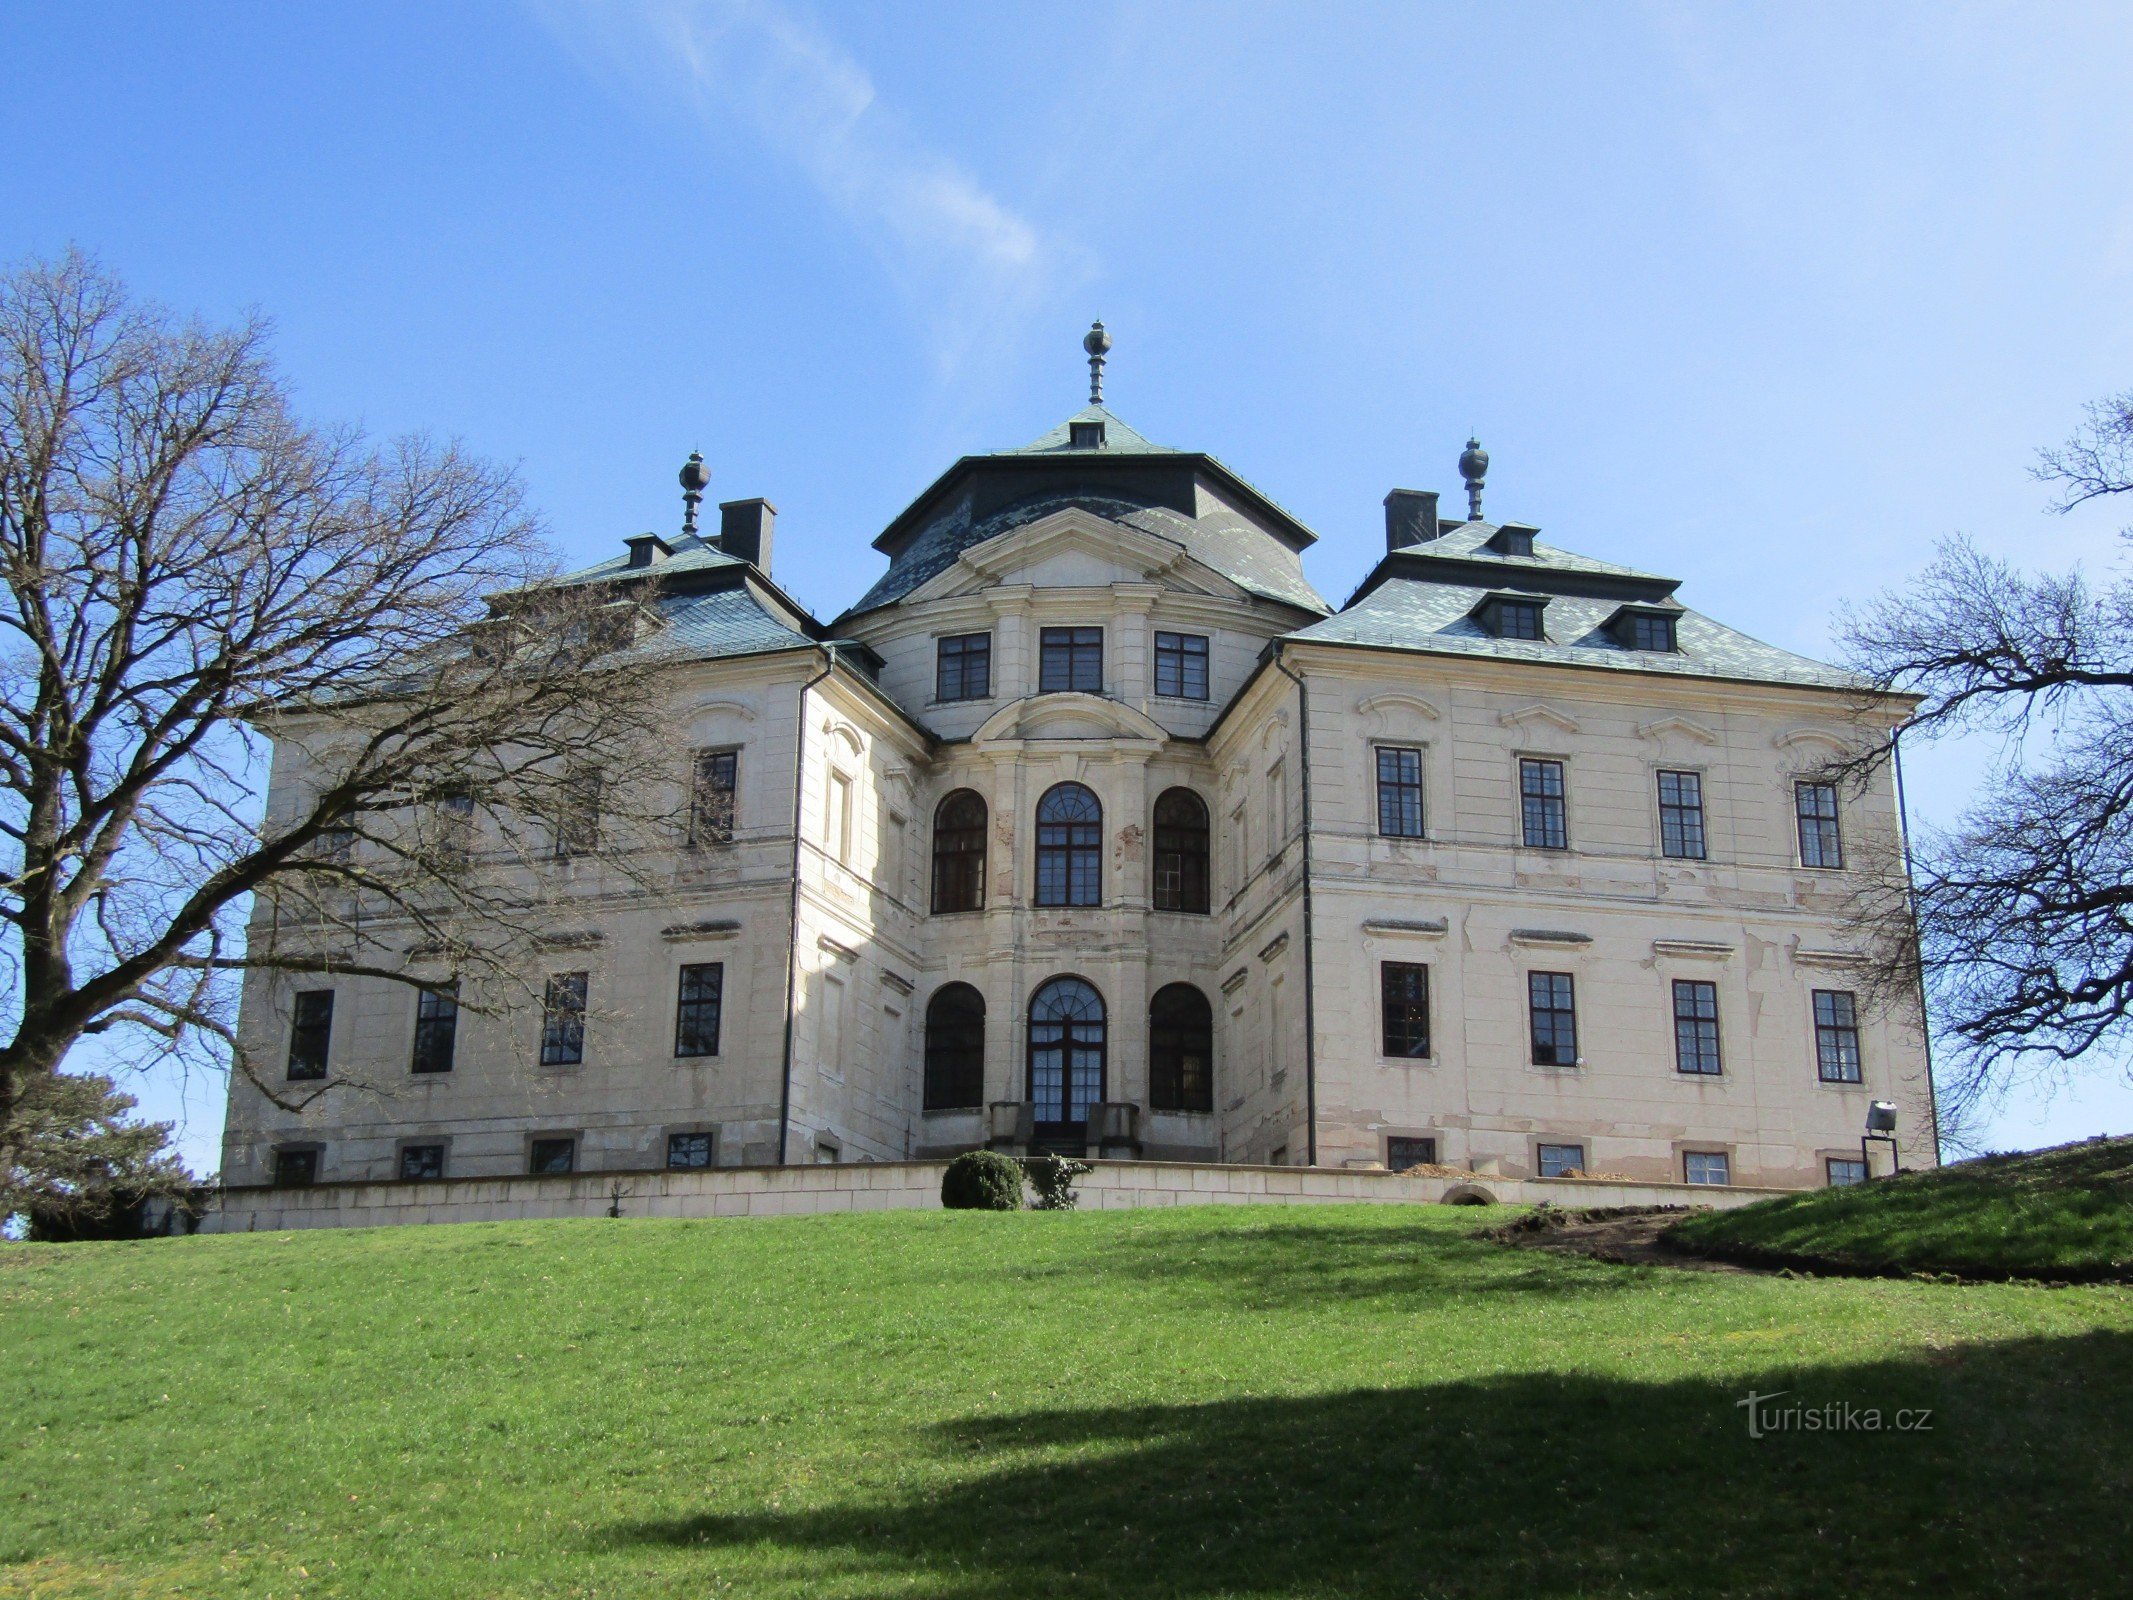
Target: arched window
{"points": [[1181, 1050], [1180, 851], [1070, 833], [959, 853], [955, 1048], [1066, 1056]]}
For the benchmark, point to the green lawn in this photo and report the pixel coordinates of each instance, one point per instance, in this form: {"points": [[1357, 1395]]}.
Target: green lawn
{"points": [[2066, 1212], [1354, 1401]]}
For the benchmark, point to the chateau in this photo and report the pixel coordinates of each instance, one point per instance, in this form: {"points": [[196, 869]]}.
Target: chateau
{"points": [[1095, 826]]}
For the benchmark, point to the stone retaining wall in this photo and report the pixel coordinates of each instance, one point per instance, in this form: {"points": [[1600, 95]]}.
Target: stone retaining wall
{"points": [[893, 1186]]}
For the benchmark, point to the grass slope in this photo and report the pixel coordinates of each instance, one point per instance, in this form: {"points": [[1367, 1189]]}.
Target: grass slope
{"points": [[1353, 1401], [2065, 1213]]}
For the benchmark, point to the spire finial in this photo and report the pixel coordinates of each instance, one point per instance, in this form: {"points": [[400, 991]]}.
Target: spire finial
{"points": [[1096, 342], [694, 478], [1473, 466]]}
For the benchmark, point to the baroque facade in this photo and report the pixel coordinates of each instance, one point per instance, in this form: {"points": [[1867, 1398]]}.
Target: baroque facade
{"points": [[1094, 826]]}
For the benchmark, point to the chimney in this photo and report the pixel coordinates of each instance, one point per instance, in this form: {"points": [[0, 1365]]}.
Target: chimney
{"points": [[744, 530], [1410, 518], [647, 548]]}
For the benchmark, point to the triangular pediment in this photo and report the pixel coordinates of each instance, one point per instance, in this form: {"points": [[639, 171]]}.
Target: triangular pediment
{"points": [[1066, 716], [1075, 548]]}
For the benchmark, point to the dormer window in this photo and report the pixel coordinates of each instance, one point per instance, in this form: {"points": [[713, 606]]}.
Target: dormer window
{"points": [[1085, 435], [1513, 617], [1513, 539], [1644, 630]]}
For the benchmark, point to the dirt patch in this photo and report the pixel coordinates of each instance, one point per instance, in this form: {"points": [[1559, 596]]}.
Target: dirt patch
{"points": [[1628, 1235]]}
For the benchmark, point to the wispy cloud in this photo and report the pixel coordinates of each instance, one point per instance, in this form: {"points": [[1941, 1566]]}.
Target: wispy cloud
{"points": [[972, 267]]}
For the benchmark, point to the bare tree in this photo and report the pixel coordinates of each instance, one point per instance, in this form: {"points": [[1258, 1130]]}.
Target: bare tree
{"points": [[2020, 923], [194, 574]]}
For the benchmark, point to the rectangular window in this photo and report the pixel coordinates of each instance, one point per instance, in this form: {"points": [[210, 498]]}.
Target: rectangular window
{"points": [[1070, 658], [1695, 1026], [688, 1151], [295, 1169], [563, 1019], [1561, 1160], [1552, 999], [1681, 815], [1181, 665], [454, 824], [1820, 845], [577, 823], [963, 667], [1400, 1154], [310, 1033], [1706, 1166], [837, 826], [1519, 619], [546, 1156], [1399, 792], [696, 1012], [1544, 820], [714, 779], [829, 1037], [1844, 1171], [1403, 995], [1837, 1035], [421, 1161], [436, 1028], [1647, 632]]}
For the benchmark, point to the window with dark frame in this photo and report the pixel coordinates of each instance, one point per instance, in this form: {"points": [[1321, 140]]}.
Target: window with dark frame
{"points": [[563, 1019], [1399, 792], [713, 783], [1403, 1007], [1551, 999], [1844, 1171], [545, 1157], [963, 667], [1181, 1050], [1403, 1152], [454, 824], [1070, 659], [436, 1028], [955, 1049], [699, 1001], [1706, 1166], [1544, 819], [1650, 632], [689, 1152], [1070, 825], [419, 1161], [1182, 849], [1560, 1160], [1519, 619], [1681, 815], [310, 1033], [295, 1169], [1820, 844], [1696, 1026], [1837, 1036], [959, 826], [1181, 665]]}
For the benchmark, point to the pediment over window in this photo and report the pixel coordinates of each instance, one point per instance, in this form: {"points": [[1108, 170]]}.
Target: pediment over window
{"points": [[1666, 727], [1075, 548], [1795, 738], [1528, 716], [1067, 716]]}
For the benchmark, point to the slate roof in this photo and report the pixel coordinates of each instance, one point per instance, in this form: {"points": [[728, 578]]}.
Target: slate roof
{"points": [[707, 606], [690, 554], [1404, 605], [1222, 540]]}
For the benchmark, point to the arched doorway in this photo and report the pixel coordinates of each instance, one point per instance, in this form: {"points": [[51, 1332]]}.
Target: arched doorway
{"points": [[1066, 1060]]}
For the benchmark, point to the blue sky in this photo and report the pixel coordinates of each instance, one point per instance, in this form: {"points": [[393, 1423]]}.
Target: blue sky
{"points": [[1769, 298]]}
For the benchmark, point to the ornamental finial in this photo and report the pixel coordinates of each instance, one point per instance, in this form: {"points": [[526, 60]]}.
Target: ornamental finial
{"points": [[1473, 466], [1096, 342]]}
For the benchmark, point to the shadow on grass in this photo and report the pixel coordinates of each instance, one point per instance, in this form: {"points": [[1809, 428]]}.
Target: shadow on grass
{"points": [[1512, 1486]]}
